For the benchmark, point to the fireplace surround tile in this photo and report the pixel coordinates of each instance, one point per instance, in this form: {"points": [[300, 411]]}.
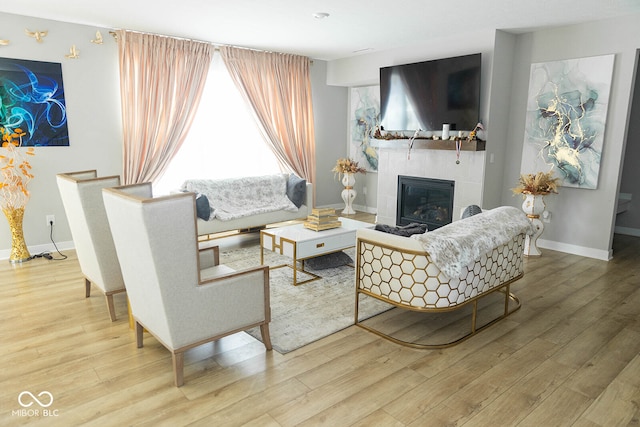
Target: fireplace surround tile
{"points": [[438, 164]]}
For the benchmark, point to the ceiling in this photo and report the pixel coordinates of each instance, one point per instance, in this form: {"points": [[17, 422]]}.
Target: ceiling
{"points": [[353, 27]]}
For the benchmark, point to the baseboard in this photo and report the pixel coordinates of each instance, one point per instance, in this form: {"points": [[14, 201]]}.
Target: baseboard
{"points": [[627, 231], [366, 209], [38, 249], [575, 250], [340, 206]]}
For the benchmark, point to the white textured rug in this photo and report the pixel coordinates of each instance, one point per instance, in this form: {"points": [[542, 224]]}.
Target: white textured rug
{"points": [[306, 313]]}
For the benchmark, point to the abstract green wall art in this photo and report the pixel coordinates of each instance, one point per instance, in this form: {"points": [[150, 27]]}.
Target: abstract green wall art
{"points": [[566, 115], [364, 118]]}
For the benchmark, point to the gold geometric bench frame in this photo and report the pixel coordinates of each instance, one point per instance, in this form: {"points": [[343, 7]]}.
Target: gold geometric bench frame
{"points": [[410, 280]]}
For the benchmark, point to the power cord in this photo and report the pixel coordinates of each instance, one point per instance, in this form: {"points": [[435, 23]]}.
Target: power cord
{"points": [[48, 255]]}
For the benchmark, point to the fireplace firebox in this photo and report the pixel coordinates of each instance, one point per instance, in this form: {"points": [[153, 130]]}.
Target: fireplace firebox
{"points": [[425, 201]]}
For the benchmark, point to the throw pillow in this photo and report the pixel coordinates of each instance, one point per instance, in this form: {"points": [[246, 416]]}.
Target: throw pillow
{"points": [[471, 210], [296, 189], [203, 210], [333, 260], [405, 230]]}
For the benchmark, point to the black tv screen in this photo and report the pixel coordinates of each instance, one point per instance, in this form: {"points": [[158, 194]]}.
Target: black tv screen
{"points": [[426, 95]]}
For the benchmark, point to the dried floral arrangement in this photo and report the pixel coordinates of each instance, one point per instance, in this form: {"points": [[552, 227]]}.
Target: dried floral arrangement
{"points": [[15, 170], [541, 183], [347, 166]]}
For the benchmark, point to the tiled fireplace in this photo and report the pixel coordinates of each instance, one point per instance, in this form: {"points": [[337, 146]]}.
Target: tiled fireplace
{"points": [[468, 176]]}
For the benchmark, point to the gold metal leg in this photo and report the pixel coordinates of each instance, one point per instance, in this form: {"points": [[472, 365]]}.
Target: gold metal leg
{"points": [[295, 269], [474, 328]]}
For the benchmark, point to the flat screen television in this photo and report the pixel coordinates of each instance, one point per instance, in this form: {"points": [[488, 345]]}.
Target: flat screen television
{"points": [[426, 95]]}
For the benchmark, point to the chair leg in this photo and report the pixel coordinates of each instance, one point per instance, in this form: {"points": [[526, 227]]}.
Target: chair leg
{"points": [[178, 368], [139, 334], [266, 338], [111, 307], [87, 288]]}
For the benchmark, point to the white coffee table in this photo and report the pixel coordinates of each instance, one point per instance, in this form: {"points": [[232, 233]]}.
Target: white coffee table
{"points": [[300, 243]]}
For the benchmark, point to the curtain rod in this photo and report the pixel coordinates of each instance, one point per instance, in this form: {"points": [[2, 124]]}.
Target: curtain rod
{"points": [[216, 46]]}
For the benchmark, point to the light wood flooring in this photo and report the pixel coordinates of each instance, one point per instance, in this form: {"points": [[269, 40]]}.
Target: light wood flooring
{"points": [[568, 357]]}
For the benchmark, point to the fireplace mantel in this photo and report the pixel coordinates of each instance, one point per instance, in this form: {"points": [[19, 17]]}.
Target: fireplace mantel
{"points": [[429, 144]]}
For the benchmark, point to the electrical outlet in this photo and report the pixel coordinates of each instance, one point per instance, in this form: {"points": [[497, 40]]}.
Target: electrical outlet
{"points": [[546, 216], [51, 220]]}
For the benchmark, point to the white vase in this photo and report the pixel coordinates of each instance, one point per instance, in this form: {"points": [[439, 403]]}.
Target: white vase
{"points": [[533, 206], [348, 194]]}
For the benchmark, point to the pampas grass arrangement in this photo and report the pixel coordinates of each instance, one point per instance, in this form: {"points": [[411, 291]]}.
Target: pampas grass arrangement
{"points": [[541, 183]]}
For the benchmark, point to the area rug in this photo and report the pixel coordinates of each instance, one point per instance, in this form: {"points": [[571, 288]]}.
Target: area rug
{"points": [[308, 312]]}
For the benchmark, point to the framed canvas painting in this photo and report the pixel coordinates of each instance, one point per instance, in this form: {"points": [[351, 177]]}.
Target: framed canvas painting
{"points": [[32, 96], [566, 116], [364, 118]]}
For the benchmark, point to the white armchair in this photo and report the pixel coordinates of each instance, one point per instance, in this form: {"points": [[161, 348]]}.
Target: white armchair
{"points": [[171, 296], [81, 194]]}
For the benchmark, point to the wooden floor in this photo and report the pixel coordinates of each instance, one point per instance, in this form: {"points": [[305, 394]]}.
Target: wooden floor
{"points": [[568, 357]]}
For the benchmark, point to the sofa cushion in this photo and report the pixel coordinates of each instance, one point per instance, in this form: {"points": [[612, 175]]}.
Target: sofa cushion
{"points": [[296, 189], [471, 210], [405, 230], [203, 210]]}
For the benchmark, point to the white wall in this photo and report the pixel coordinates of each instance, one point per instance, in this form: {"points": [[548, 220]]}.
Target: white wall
{"points": [[582, 220], [329, 110], [628, 222], [92, 93], [94, 120], [497, 128]]}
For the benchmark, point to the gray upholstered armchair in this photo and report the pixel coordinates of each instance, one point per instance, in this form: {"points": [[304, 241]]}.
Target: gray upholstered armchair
{"points": [[81, 194], [181, 304]]}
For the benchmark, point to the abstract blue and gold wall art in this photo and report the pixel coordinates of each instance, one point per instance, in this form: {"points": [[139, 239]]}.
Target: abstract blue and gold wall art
{"points": [[364, 118], [566, 116], [32, 97]]}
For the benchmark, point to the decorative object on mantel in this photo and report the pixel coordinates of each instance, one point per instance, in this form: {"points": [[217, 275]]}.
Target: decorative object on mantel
{"points": [[445, 130], [346, 169], [98, 39], [421, 143], [411, 141], [474, 133], [74, 53], [38, 35], [4, 42], [15, 174], [533, 188]]}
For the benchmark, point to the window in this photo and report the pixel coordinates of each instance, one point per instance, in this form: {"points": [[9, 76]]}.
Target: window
{"points": [[223, 141]]}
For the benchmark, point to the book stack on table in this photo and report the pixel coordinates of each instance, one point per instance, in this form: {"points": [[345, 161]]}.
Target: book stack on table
{"points": [[322, 219]]}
